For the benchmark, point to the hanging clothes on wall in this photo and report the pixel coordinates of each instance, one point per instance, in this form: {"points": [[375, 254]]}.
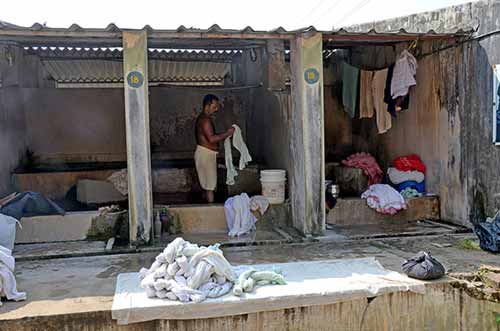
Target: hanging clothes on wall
{"points": [[350, 85], [398, 104], [366, 97], [245, 157], [372, 85], [404, 74]]}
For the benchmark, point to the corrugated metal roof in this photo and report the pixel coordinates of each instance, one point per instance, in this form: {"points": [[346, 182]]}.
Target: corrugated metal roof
{"points": [[117, 53], [111, 71], [213, 37], [216, 29]]}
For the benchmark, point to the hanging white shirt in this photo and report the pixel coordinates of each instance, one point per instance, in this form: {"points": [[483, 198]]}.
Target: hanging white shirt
{"points": [[245, 157]]}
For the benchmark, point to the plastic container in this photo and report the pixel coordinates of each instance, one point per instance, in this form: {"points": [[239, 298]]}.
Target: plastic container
{"points": [[273, 185]]}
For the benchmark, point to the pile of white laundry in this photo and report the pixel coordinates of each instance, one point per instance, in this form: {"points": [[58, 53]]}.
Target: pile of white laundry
{"points": [[8, 285], [187, 272]]}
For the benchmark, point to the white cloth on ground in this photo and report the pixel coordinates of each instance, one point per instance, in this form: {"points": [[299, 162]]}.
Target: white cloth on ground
{"points": [[397, 176], [239, 218], [245, 157], [7, 231], [8, 285], [403, 76], [384, 199]]}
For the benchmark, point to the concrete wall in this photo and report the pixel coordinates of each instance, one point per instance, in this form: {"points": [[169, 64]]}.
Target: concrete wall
{"points": [[457, 114], [75, 124], [442, 308], [12, 135], [89, 124]]}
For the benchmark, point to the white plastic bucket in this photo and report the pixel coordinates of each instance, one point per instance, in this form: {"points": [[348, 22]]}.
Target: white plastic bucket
{"points": [[273, 185]]}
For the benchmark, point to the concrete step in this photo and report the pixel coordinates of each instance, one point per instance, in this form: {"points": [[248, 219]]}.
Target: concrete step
{"points": [[355, 211]]}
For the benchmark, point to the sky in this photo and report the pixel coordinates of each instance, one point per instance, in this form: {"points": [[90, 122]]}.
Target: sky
{"points": [[228, 14]]}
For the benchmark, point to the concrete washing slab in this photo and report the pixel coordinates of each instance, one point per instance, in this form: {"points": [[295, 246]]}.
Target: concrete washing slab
{"points": [[55, 228], [77, 293], [308, 284]]}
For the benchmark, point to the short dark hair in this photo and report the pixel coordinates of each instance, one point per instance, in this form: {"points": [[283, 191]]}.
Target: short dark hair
{"points": [[208, 99]]}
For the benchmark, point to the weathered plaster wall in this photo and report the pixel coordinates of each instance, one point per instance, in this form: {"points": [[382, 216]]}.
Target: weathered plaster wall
{"points": [[173, 114], [268, 136], [75, 124], [89, 124], [12, 135], [463, 82]]}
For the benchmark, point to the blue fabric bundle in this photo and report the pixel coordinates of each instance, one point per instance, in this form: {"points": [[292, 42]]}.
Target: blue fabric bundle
{"points": [[419, 187]]}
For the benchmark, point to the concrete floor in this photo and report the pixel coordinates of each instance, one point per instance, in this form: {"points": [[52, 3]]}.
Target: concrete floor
{"points": [[87, 284]]}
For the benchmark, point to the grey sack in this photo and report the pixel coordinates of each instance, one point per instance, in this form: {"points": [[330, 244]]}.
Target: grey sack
{"points": [[423, 266]]}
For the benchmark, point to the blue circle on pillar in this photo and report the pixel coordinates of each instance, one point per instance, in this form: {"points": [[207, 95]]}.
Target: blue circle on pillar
{"points": [[311, 75], [135, 79]]}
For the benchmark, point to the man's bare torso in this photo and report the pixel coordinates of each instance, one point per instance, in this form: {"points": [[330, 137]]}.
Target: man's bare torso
{"points": [[205, 128]]}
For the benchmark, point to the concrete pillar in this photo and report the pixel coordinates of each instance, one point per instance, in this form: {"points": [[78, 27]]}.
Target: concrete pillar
{"points": [[307, 134], [276, 66], [135, 70]]}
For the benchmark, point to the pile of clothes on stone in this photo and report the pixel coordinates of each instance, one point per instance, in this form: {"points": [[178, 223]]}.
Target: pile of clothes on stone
{"points": [[368, 164], [189, 273], [408, 176], [239, 211]]}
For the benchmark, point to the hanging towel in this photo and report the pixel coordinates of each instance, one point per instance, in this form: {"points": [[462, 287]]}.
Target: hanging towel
{"points": [[384, 121], [403, 76], [239, 218], [366, 96], [245, 157], [350, 80]]}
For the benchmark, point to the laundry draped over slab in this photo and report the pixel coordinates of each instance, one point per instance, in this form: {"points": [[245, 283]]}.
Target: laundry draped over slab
{"points": [[239, 217], [245, 157], [384, 199], [187, 272]]}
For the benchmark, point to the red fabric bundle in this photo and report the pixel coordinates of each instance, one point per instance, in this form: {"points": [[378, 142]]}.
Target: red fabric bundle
{"points": [[409, 163], [368, 164]]}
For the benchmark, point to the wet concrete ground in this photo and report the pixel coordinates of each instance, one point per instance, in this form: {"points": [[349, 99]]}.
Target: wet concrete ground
{"points": [[81, 284]]}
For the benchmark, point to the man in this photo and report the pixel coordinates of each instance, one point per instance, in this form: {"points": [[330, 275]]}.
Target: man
{"points": [[205, 156]]}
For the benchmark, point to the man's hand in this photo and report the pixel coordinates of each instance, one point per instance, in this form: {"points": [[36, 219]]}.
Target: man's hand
{"points": [[230, 132]]}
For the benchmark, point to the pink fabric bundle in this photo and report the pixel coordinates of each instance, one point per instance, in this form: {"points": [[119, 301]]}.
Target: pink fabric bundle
{"points": [[368, 164]]}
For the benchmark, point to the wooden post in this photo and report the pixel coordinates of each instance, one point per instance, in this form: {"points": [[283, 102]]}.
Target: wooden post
{"points": [[307, 134], [135, 70]]}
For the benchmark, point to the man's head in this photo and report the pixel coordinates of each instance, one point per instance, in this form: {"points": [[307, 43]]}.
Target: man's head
{"points": [[210, 104]]}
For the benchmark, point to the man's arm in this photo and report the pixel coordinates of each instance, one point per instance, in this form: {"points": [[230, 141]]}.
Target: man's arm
{"points": [[209, 134]]}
